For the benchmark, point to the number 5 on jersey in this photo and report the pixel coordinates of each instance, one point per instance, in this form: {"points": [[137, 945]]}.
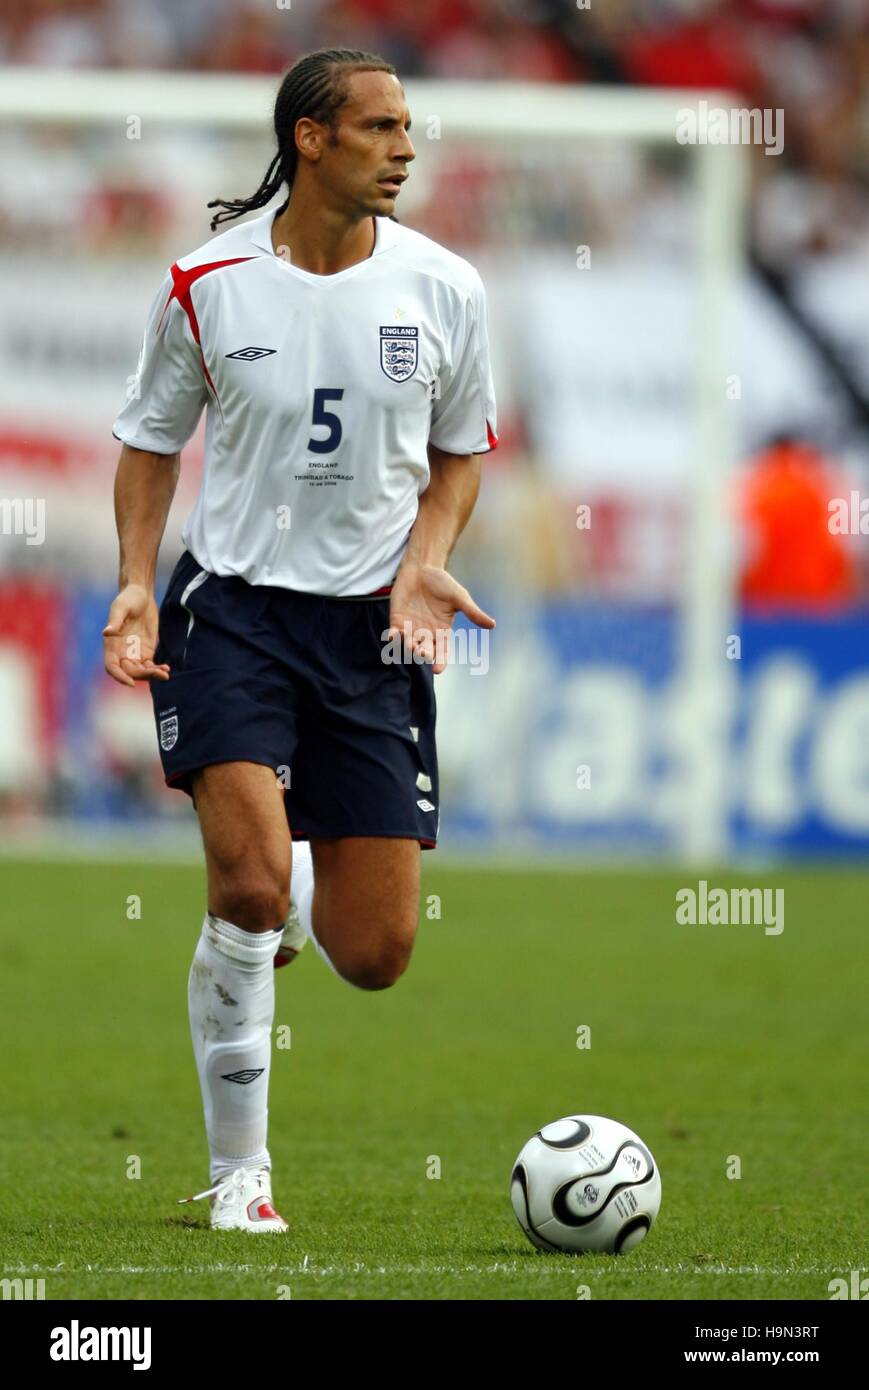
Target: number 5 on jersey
{"points": [[327, 418]]}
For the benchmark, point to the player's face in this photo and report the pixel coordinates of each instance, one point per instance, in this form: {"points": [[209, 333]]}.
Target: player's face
{"points": [[367, 163]]}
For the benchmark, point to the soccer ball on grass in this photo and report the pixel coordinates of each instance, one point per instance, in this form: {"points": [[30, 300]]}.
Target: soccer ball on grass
{"points": [[585, 1183]]}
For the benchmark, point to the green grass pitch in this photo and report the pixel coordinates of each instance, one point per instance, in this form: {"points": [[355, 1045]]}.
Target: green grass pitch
{"points": [[708, 1041]]}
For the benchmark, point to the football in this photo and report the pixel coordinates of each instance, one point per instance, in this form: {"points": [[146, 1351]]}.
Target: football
{"points": [[585, 1183]]}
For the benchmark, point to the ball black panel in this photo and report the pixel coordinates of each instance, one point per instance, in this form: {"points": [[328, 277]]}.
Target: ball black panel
{"points": [[519, 1175], [633, 1225], [573, 1141], [559, 1201]]}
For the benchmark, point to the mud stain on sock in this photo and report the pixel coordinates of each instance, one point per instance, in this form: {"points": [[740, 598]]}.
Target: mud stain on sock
{"points": [[212, 1028], [200, 973]]}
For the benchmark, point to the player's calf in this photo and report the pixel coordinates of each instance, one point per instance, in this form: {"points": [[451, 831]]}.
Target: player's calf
{"points": [[366, 905]]}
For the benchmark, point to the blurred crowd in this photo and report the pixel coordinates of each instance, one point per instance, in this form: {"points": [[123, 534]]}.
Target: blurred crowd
{"points": [[809, 56]]}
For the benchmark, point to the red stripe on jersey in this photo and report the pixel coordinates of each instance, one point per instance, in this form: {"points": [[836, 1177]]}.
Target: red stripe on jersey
{"points": [[182, 280], [493, 438]]}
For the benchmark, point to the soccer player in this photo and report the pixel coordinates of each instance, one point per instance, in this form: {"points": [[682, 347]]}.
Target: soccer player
{"points": [[343, 363]]}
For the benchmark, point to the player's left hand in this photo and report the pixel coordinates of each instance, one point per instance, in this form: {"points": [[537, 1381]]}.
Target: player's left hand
{"points": [[423, 603]]}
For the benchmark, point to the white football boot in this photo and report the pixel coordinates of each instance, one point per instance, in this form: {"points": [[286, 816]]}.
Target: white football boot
{"points": [[242, 1201], [292, 940], [294, 937]]}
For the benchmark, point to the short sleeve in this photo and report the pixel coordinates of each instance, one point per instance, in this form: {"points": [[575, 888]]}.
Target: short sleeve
{"points": [[167, 392], [463, 419]]}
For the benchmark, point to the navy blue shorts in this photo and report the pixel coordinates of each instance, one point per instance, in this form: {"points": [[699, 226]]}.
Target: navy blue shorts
{"points": [[296, 682]]}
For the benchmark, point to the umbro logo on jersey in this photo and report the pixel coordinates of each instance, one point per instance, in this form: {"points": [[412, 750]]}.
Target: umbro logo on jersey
{"points": [[245, 1077], [251, 354]]}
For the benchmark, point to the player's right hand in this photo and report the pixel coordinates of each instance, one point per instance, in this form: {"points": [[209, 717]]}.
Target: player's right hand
{"points": [[130, 637]]}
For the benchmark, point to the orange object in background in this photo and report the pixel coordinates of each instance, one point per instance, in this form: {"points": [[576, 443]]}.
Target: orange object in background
{"points": [[793, 559]]}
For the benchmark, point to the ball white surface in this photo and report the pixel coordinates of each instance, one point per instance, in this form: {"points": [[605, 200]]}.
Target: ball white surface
{"points": [[585, 1183]]}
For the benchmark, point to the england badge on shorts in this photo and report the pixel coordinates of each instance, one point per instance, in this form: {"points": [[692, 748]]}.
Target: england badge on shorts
{"points": [[168, 732], [399, 351]]}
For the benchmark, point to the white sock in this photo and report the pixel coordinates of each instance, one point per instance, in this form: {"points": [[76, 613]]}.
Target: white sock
{"points": [[302, 893], [231, 1002]]}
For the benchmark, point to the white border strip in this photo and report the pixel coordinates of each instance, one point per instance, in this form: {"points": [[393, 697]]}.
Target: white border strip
{"points": [[492, 110]]}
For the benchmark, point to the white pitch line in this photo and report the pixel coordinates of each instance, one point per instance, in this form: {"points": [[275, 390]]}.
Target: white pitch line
{"points": [[361, 1268], [152, 1269]]}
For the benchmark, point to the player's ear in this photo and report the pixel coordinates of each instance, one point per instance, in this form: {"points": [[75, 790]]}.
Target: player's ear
{"points": [[309, 138]]}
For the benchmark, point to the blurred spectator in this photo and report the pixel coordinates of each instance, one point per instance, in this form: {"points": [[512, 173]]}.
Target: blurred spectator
{"points": [[250, 39], [703, 44], [793, 559]]}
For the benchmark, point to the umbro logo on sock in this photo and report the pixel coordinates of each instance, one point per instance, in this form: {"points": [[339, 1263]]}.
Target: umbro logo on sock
{"points": [[251, 354], [244, 1077]]}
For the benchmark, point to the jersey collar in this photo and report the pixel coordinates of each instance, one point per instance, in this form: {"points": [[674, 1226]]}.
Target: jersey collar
{"points": [[261, 236]]}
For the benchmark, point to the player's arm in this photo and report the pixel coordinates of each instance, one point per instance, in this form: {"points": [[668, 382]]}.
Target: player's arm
{"points": [[425, 598], [144, 487], [444, 507], [164, 403]]}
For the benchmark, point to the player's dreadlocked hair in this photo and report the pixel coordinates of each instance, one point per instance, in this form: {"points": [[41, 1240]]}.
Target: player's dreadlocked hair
{"points": [[315, 86]]}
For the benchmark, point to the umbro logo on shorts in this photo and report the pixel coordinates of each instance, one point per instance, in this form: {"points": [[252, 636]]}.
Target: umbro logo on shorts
{"points": [[245, 1077], [251, 354], [425, 805]]}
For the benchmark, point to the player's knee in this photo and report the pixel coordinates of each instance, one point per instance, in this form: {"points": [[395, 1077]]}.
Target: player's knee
{"points": [[382, 967], [254, 902], [375, 974]]}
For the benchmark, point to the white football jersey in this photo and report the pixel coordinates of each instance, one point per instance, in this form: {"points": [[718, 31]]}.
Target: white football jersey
{"points": [[321, 394]]}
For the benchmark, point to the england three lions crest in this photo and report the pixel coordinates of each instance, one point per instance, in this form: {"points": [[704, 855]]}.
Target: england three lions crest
{"points": [[399, 351], [169, 732]]}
